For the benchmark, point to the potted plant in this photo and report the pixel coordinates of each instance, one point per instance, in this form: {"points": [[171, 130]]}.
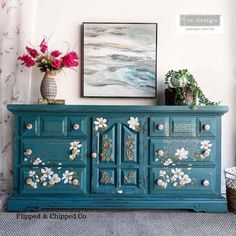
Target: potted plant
{"points": [[182, 89], [49, 62]]}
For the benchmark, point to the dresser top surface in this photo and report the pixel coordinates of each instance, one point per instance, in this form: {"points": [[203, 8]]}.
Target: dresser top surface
{"points": [[18, 108]]}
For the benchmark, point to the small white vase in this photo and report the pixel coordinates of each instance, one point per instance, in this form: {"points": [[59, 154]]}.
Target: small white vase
{"points": [[48, 86]]}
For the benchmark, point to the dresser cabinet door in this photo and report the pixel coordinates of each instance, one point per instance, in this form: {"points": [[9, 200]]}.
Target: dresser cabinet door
{"points": [[117, 155]]}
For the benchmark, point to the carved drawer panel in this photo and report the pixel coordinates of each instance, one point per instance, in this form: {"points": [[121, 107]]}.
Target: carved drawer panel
{"points": [[56, 179], [177, 151], [184, 126], [53, 151], [178, 181]]}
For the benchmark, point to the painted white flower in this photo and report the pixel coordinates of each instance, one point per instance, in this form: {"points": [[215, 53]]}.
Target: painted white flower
{"points": [[205, 144], [55, 179], [162, 172], [177, 173], [185, 180], [43, 178], [34, 185], [133, 123], [44, 184], [100, 123], [67, 176], [31, 173], [168, 162], [75, 145], [181, 154], [161, 183], [47, 172], [37, 161], [173, 179]]}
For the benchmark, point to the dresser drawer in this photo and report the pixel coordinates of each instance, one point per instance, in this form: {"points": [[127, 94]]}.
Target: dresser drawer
{"points": [[182, 181], [53, 180], [207, 126], [54, 151], [179, 151], [30, 126], [159, 126]]}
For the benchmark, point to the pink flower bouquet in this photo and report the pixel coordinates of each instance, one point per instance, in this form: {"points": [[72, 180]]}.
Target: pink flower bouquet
{"points": [[49, 61]]}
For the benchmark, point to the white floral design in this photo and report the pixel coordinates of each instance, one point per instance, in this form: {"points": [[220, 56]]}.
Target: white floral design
{"points": [[67, 176], [75, 149], [55, 179], [134, 123], [100, 124], [37, 161], [176, 177], [31, 173], [181, 154], [161, 183], [47, 172], [205, 144], [168, 162]]}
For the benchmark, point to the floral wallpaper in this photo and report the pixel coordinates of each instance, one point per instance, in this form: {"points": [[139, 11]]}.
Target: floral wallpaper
{"points": [[15, 31]]}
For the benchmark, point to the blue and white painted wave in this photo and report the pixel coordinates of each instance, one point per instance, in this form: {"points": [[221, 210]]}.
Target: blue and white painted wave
{"points": [[119, 60]]}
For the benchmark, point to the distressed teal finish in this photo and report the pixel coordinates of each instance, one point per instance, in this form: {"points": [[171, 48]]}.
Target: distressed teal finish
{"points": [[171, 161]]}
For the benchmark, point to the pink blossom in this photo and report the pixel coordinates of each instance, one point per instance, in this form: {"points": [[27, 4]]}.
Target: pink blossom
{"points": [[70, 59], [43, 46], [27, 60], [56, 64], [33, 52], [55, 53]]}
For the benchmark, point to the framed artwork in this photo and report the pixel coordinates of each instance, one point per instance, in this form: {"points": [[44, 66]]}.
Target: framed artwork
{"points": [[119, 60]]}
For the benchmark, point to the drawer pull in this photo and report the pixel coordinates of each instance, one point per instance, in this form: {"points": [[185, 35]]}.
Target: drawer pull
{"points": [[160, 126], [29, 126], [29, 181], [160, 153], [94, 155], [205, 183], [28, 152], [75, 181], [75, 126], [206, 127]]}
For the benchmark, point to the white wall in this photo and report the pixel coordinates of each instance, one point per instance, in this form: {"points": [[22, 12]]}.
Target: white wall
{"points": [[209, 57]]}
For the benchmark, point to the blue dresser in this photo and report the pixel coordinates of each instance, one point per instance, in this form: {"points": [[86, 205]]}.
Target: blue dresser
{"points": [[143, 157]]}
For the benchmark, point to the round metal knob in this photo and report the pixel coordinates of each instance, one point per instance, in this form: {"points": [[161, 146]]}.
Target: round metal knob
{"points": [[29, 126], [160, 126], [76, 126], [206, 127], [29, 181], [160, 153], [28, 152], [94, 155], [205, 183], [206, 153]]}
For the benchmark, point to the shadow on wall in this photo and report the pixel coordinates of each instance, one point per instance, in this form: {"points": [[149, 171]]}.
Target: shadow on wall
{"points": [[232, 6]]}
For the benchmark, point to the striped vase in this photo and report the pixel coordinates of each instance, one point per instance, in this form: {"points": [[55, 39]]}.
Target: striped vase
{"points": [[48, 86]]}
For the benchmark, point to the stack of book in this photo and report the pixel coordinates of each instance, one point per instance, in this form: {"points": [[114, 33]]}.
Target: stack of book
{"points": [[51, 101]]}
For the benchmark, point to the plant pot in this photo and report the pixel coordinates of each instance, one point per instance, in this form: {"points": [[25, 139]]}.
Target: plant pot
{"points": [[48, 86], [171, 98]]}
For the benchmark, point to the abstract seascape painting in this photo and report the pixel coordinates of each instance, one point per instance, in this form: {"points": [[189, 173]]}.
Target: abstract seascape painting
{"points": [[119, 60]]}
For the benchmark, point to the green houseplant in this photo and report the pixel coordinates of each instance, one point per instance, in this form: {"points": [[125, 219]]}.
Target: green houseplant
{"points": [[182, 89]]}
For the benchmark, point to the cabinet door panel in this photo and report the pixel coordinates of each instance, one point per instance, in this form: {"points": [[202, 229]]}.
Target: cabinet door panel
{"points": [[119, 149]]}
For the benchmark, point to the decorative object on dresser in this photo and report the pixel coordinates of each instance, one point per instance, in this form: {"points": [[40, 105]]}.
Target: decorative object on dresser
{"points": [[154, 157], [182, 89], [119, 59], [51, 63]]}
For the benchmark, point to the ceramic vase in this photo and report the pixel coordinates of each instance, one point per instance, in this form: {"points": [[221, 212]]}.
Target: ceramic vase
{"points": [[48, 86]]}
